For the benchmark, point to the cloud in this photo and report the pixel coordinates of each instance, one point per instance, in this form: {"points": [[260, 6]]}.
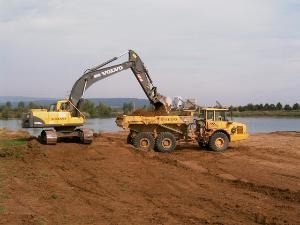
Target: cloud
{"points": [[236, 50]]}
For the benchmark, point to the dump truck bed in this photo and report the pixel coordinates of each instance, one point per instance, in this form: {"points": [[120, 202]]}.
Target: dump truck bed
{"points": [[125, 121]]}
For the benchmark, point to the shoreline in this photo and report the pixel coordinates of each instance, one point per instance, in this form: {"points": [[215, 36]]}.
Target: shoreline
{"points": [[263, 114]]}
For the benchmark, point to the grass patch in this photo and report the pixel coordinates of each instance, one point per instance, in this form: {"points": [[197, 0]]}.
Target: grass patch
{"points": [[2, 209], [13, 142], [4, 197], [39, 222], [9, 147], [11, 153], [54, 196]]}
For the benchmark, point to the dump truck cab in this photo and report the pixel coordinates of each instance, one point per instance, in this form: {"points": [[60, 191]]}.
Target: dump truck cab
{"points": [[216, 130]]}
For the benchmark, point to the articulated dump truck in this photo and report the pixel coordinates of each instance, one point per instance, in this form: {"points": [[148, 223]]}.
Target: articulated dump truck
{"points": [[211, 128]]}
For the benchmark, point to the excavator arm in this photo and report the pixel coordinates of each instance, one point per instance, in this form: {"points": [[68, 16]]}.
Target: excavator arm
{"points": [[98, 73]]}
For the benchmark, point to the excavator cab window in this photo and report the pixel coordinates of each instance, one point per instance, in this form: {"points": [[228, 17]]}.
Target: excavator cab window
{"points": [[52, 108], [64, 106]]}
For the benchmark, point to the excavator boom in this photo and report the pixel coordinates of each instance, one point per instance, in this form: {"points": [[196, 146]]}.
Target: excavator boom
{"points": [[98, 73]]}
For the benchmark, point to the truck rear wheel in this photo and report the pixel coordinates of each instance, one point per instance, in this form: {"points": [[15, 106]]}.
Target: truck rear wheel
{"points": [[144, 141], [165, 142], [218, 142]]}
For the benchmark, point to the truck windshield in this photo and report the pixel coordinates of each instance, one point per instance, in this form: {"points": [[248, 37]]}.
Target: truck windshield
{"points": [[220, 115], [210, 115]]}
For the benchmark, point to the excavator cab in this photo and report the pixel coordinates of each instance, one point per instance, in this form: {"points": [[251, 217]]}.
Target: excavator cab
{"points": [[52, 108], [60, 106]]}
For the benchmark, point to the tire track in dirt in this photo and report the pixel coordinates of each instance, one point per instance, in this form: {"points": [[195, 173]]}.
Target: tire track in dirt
{"points": [[278, 193], [109, 182]]}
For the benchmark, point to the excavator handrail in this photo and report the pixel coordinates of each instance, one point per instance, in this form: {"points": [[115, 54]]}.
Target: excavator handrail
{"points": [[77, 109]]}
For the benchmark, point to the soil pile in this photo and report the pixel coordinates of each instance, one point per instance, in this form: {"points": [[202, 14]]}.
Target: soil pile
{"points": [[109, 182], [144, 112], [9, 134]]}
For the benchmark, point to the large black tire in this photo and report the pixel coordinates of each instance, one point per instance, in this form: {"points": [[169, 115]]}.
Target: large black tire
{"points": [[202, 144], [129, 139], [144, 141], [165, 142], [218, 142]]}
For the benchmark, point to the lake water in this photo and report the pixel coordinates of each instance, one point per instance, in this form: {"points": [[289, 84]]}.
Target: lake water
{"points": [[255, 125]]}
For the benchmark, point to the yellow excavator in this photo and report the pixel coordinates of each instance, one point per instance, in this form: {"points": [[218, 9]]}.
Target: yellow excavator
{"points": [[64, 119]]}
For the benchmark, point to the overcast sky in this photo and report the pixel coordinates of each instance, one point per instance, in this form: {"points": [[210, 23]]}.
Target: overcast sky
{"points": [[233, 51]]}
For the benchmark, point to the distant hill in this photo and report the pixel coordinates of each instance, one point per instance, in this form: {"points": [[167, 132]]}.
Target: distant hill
{"points": [[112, 102], [12, 99]]}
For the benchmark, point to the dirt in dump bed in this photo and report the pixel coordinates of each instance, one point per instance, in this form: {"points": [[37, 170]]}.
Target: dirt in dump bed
{"points": [[145, 112], [109, 182]]}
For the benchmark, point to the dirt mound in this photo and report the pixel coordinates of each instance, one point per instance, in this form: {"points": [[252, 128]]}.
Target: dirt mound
{"points": [[144, 112], [9, 134], [109, 182]]}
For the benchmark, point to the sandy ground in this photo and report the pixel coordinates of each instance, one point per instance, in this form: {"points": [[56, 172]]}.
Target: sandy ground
{"points": [[109, 182]]}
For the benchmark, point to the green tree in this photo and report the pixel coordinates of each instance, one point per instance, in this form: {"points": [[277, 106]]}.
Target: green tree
{"points": [[21, 105], [249, 107], [103, 110], [8, 105], [127, 107], [266, 107], [278, 106], [20, 108], [287, 107], [260, 107], [6, 113], [296, 106], [272, 107], [33, 105], [231, 108], [89, 109]]}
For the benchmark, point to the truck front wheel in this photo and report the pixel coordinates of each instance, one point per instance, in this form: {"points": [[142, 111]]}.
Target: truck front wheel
{"points": [[218, 142]]}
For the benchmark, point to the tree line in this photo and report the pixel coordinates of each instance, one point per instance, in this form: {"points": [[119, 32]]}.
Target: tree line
{"points": [[7, 110], [266, 107], [103, 110], [90, 110]]}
